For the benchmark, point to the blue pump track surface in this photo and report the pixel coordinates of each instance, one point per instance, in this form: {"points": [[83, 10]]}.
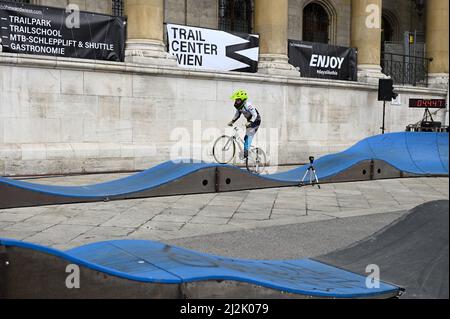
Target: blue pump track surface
{"points": [[421, 154], [407, 154], [153, 262]]}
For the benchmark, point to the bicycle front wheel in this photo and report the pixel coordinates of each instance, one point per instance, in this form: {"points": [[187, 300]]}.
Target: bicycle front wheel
{"points": [[256, 161], [224, 150]]}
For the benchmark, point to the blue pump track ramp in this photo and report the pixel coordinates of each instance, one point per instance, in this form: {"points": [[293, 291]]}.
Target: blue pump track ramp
{"points": [[146, 269], [396, 155], [411, 253]]}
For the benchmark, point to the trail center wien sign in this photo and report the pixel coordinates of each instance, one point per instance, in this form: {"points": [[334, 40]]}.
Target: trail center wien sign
{"points": [[208, 49]]}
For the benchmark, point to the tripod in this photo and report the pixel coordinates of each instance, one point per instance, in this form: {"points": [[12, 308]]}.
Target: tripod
{"points": [[427, 116], [313, 179]]}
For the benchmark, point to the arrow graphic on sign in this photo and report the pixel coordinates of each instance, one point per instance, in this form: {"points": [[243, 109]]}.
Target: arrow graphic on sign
{"points": [[237, 52]]}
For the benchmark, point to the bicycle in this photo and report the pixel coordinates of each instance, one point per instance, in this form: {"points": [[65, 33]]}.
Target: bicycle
{"points": [[224, 151]]}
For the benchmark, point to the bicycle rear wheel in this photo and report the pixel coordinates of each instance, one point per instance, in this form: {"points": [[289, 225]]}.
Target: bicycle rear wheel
{"points": [[256, 161], [224, 149]]}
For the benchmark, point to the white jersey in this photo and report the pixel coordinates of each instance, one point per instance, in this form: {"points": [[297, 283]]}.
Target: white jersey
{"points": [[249, 112]]}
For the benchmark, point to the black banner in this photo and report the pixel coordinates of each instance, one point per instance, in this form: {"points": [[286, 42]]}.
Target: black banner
{"points": [[318, 60], [39, 30]]}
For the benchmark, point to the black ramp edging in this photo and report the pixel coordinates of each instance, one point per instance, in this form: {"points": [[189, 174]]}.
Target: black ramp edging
{"points": [[412, 252], [32, 274]]}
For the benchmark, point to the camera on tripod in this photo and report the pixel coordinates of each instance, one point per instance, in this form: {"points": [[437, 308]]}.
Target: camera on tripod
{"points": [[311, 171]]}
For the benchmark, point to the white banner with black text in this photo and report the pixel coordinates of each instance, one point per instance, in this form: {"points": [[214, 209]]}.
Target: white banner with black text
{"points": [[207, 49]]}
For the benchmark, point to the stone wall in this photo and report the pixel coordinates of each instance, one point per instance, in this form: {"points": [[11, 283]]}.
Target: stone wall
{"points": [[68, 116], [100, 6], [339, 12], [404, 14], [187, 12], [403, 11]]}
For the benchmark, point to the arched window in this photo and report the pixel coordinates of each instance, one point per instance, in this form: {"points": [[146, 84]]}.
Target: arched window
{"points": [[316, 23], [236, 15], [117, 8], [387, 33], [391, 40], [390, 30]]}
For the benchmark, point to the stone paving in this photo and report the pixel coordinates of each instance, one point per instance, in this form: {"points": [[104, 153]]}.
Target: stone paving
{"points": [[169, 218]]}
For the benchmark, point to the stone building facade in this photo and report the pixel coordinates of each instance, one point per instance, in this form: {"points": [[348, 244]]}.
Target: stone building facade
{"points": [[61, 115]]}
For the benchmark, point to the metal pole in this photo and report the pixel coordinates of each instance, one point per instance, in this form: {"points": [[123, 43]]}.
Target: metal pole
{"points": [[384, 116]]}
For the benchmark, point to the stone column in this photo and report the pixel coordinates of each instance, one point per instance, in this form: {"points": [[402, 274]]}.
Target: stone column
{"points": [[146, 33], [437, 42], [366, 37], [271, 23]]}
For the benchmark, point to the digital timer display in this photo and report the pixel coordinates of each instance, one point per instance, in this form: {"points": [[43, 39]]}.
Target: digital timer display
{"points": [[428, 103]]}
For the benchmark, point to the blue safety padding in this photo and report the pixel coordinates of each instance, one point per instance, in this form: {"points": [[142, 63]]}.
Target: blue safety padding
{"points": [[153, 262], [423, 154]]}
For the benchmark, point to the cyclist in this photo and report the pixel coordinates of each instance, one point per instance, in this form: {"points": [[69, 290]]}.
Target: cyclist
{"points": [[246, 108]]}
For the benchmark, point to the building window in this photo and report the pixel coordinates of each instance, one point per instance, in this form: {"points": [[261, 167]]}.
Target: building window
{"points": [[117, 8], [316, 24], [236, 15], [387, 30]]}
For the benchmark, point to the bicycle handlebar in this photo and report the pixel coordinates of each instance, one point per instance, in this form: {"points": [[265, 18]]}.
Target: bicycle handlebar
{"points": [[237, 128]]}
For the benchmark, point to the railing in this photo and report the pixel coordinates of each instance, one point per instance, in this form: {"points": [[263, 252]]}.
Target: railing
{"points": [[406, 69], [118, 8], [236, 15]]}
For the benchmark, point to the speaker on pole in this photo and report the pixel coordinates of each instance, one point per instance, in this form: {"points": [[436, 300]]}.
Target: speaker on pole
{"points": [[386, 90]]}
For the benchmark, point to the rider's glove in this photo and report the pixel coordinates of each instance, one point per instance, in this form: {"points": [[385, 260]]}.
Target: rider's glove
{"points": [[231, 124]]}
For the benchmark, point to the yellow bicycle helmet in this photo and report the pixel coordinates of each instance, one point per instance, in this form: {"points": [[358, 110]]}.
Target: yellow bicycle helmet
{"points": [[240, 94]]}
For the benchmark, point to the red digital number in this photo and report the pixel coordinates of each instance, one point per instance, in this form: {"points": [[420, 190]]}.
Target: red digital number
{"points": [[434, 103]]}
